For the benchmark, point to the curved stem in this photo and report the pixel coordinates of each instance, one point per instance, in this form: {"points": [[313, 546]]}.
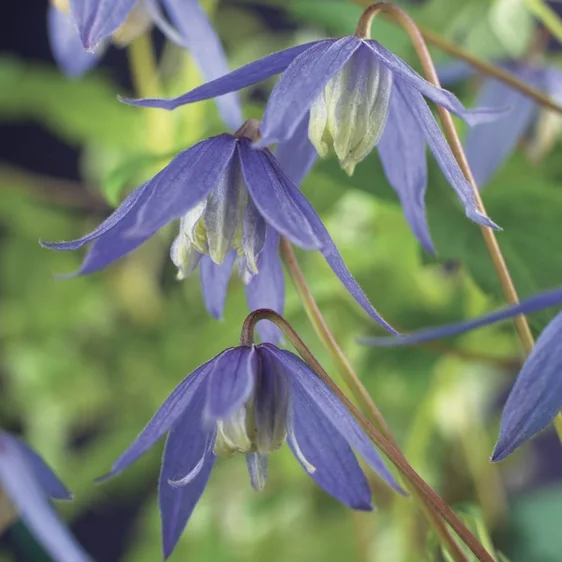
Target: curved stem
{"points": [[353, 382], [508, 287], [483, 66], [418, 484]]}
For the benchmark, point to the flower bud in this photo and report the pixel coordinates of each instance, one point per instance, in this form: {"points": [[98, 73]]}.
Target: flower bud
{"points": [[350, 114]]}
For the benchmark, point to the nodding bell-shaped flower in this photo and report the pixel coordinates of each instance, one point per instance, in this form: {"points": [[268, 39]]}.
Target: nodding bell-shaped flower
{"points": [[536, 396], [250, 400], [352, 94], [28, 483], [234, 202]]}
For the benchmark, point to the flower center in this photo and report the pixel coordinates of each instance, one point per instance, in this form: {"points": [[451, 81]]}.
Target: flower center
{"points": [[61, 5]]}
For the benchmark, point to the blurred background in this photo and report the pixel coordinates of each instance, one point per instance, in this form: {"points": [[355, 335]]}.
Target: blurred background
{"points": [[85, 362]]}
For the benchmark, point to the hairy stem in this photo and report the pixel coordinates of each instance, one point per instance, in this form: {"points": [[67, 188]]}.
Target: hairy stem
{"points": [[419, 487], [353, 382], [485, 67]]}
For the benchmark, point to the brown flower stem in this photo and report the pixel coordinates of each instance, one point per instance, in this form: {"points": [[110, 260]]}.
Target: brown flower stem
{"points": [[502, 271], [420, 488], [353, 382], [481, 65]]}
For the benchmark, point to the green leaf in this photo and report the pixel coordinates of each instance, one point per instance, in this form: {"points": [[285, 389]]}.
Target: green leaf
{"points": [[78, 111]]}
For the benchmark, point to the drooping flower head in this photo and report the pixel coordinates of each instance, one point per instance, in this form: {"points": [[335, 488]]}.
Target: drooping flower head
{"points": [[536, 396], [488, 145], [81, 30], [234, 201], [249, 400], [352, 93], [28, 483]]}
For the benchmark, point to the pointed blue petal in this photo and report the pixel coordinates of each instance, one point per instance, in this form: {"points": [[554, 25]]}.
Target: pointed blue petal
{"points": [[302, 82], [276, 197], [402, 153], [257, 469], [97, 19], [442, 97], [266, 289], [214, 282], [536, 396], [231, 382], [297, 155], [47, 479], [324, 453], [168, 414], [66, 46], [527, 306], [455, 71], [130, 206], [188, 450], [489, 144], [288, 211], [18, 481], [443, 154], [205, 46], [185, 181], [333, 410], [236, 80]]}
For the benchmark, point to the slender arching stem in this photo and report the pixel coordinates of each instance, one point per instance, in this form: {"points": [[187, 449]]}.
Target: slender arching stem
{"points": [[418, 484], [483, 66], [353, 382], [502, 271]]}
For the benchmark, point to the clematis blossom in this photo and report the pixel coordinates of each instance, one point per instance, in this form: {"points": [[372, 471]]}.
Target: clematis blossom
{"points": [[352, 94], [536, 396], [234, 202], [81, 30], [28, 483], [250, 400]]}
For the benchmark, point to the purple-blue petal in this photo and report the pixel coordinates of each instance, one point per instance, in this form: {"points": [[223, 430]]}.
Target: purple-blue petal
{"points": [[311, 435], [536, 397], [98, 19], [183, 183], [302, 82], [443, 154], [402, 153], [276, 197], [440, 96], [47, 479], [168, 414], [66, 46], [187, 445], [527, 306], [333, 410], [206, 48], [297, 155], [19, 482], [231, 382], [266, 289], [214, 282], [454, 71], [236, 80], [489, 144]]}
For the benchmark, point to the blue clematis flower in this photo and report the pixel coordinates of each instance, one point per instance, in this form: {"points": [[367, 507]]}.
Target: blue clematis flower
{"points": [[80, 31], [234, 202], [489, 145], [352, 93], [250, 400], [536, 396], [28, 483]]}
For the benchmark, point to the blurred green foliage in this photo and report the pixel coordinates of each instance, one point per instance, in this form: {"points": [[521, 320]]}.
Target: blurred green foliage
{"points": [[85, 362]]}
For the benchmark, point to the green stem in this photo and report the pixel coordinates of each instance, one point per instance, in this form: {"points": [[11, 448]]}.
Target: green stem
{"points": [[353, 382], [431, 500]]}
